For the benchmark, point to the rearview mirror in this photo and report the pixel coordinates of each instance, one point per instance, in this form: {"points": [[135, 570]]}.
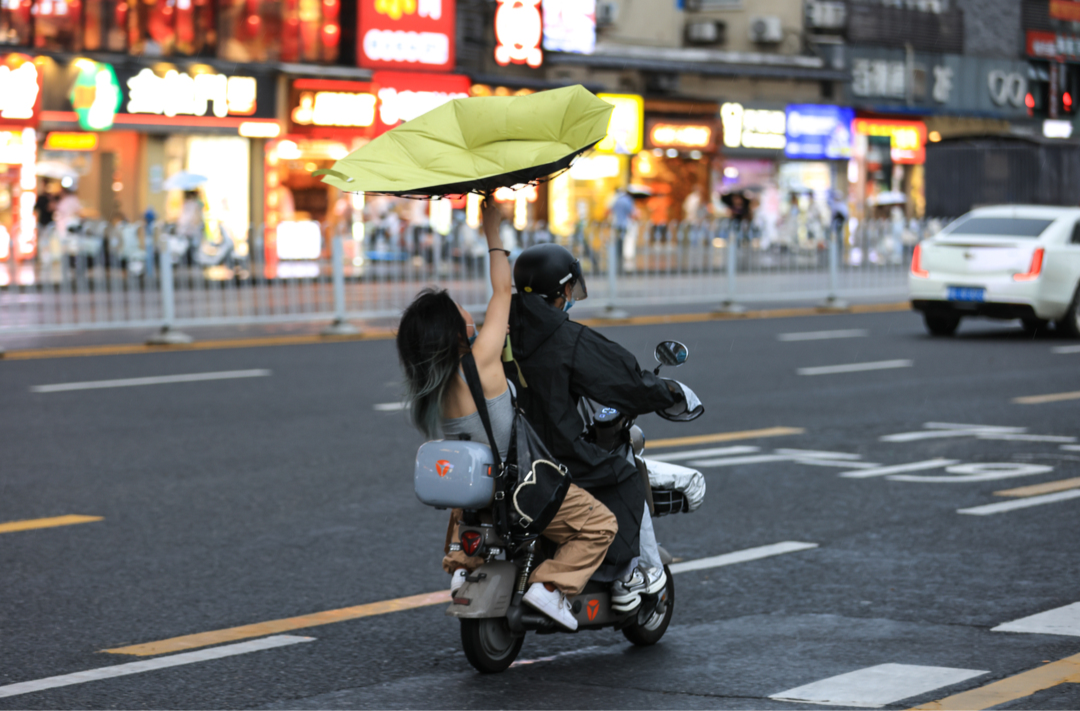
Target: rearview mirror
{"points": [[671, 353]]}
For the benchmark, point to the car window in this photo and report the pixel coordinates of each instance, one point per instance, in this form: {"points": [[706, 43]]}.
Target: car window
{"points": [[1076, 233], [999, 226]]}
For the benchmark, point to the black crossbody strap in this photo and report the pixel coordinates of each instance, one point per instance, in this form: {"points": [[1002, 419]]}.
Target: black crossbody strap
{"points": [[472, 378]]}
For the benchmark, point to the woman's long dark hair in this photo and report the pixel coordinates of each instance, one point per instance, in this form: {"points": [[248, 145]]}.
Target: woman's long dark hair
{"points": [[429, 342]]}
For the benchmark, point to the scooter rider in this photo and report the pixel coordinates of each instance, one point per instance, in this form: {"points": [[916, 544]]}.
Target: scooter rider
{"points": [[557, 362]]}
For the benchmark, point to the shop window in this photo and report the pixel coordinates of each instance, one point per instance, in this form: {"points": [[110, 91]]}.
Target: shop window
{"points": [[169, 27], [281, 30], [56, 24], [14, 22]]}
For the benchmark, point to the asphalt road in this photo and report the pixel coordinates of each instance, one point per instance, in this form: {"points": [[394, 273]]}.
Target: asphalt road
{"points": [[245, 500]]}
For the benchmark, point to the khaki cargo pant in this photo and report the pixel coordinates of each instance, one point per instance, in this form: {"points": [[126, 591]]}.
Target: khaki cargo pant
{"points": [[583, 529]]}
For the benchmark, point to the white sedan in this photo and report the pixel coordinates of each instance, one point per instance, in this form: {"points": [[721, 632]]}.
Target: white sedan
{"points": [[1007, 262]]}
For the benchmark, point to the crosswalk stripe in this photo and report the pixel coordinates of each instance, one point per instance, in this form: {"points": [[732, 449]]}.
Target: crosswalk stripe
{"points": [[877, 686], [841, 464], [1004, 506], [693, 454], [52, 682], [1061, 620]]}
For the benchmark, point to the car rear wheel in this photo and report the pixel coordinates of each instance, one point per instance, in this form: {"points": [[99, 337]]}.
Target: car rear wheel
{"points": [[941, 324], [1069, 324]]}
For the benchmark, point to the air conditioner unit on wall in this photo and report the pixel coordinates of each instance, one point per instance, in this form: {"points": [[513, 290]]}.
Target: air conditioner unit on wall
{"points": [[705, 32], [766, 29], [607, 13]]}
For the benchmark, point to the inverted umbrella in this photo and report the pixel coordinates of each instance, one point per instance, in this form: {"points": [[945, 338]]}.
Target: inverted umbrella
{"points": [[183, 181], [55, 169], [477, 145]]}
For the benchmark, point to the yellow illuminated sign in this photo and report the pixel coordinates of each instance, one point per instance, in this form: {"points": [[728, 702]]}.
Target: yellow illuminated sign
{"points": [[624, 134], [71, 141]]}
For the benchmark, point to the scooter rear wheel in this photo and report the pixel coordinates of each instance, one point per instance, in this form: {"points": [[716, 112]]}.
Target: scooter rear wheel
{"points": [[489, 644], [645, 633]]}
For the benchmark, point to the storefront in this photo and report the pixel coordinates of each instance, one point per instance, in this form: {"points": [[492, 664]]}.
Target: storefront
{"points": [[887, 165], [748, 180], [20, 103]]}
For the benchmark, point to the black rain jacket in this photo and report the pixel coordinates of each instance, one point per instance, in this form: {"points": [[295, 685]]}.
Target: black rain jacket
{"points": [[561, 362]]}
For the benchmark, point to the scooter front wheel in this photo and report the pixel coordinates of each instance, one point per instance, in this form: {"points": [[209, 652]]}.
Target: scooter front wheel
{"points": [[648, 631], [489, 644]]}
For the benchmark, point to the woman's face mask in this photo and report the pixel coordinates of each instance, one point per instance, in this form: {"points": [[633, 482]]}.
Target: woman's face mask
{"points": [[568, 305], [472, 338]]}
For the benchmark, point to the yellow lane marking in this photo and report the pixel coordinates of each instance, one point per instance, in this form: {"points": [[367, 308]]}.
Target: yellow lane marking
{"points": [[1039, 399], [1037, 489], [1015, 687], [33, 523], [261, 629], [725, 437], [386, 333]]}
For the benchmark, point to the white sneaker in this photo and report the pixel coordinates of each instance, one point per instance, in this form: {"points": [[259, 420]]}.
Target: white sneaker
{"points": [[626, 594], [457, 580], [552, 603]]}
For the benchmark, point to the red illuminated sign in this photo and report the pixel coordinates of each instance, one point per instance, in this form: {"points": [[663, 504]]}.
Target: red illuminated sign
{"points": [[907, 139], [20, 90], [406, 34], [1068, 10], [519, 28], [405, 95]]}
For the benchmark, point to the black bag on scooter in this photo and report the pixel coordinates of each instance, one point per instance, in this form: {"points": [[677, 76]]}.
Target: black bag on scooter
{"points": [[532, 484]]}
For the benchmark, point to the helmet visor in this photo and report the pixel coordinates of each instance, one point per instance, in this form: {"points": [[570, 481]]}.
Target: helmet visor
{"points": [[580, 292]]}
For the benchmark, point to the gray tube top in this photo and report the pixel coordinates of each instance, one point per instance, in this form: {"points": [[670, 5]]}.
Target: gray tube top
{"points": [[500, 410]]}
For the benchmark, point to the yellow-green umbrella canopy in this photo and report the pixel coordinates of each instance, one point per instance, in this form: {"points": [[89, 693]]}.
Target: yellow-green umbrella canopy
{"points": [[477, 145]]}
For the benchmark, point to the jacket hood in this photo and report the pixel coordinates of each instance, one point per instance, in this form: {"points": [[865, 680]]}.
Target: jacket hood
{"points": [[532, 321]]}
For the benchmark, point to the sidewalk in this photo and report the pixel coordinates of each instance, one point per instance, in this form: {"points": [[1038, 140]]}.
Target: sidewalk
{"points": [[17, 346]]}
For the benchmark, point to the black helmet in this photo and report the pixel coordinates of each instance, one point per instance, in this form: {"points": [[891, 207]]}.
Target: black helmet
{"points": [[545, 269]]}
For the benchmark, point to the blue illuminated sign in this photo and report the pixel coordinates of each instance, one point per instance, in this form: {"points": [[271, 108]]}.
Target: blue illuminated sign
{"points": [[819, 131]]}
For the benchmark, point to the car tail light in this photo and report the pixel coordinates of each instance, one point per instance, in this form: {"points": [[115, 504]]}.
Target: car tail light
{"points": [[1034, 270], [916, 263], [470, 542]]}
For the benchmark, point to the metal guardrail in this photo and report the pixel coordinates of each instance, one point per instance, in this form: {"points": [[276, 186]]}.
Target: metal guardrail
{"points": [[107, 277]]}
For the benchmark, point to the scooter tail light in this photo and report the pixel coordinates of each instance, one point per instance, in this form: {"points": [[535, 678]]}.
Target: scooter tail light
{"points": [[1034, 270], [916, 263], [470, 542]]}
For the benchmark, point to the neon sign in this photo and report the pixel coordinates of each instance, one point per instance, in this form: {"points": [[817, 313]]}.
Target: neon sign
{"points": [[183, 94], [406, 33], [679, 135], [71, 141], [518, 33], [570, 26], [334, 108], [95, 96], [404, 96], [753, 128], [20, 88], [907, 139]]}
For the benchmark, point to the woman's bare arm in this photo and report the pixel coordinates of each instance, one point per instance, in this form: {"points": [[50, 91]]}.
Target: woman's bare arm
{"points": [[489, 342]]}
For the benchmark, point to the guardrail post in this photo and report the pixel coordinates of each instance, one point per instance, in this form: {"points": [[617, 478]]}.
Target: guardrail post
{"points": [[614, 257], [340, 327], [730, 304], [166, 336], [832, 301]]}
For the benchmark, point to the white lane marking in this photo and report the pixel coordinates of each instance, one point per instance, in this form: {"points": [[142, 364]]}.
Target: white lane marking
{"points": [[1024, 437], [814, 462], [899, 468], [742, 556], [159, 380], [979, 471], [570, 653], [938, 430], [52, 682], [680, 456], [855, 367], [1020, 503], [1061, 620], [877, 686], [735, 461], [1071, 447], [1065, 349], [817, 454], [822, 335], [390, 407]]}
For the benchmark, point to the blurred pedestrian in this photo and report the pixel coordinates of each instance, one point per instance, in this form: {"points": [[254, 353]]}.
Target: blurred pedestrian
{"points": [[622, 210]]}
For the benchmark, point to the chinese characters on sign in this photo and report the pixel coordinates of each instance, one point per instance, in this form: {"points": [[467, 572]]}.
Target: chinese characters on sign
{"points": [[319, 102], [403, 96], [889, 79], [1052, 46], [816, 132], [907, 139], [177, 94], [518, 31], [753, 128], [20, 88], [413, 34]]}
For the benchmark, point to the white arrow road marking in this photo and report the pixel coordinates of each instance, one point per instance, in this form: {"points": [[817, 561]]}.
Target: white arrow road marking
{"points": [[159, 380], [822, 335], [805, 453], [877, 686], [390, 407], [812, 457], [741, 556], [1020, 503], [681, 456], [899, 468], [847, 464], [855, 367], [231, 650], [1060, 620], [735, 461]]}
